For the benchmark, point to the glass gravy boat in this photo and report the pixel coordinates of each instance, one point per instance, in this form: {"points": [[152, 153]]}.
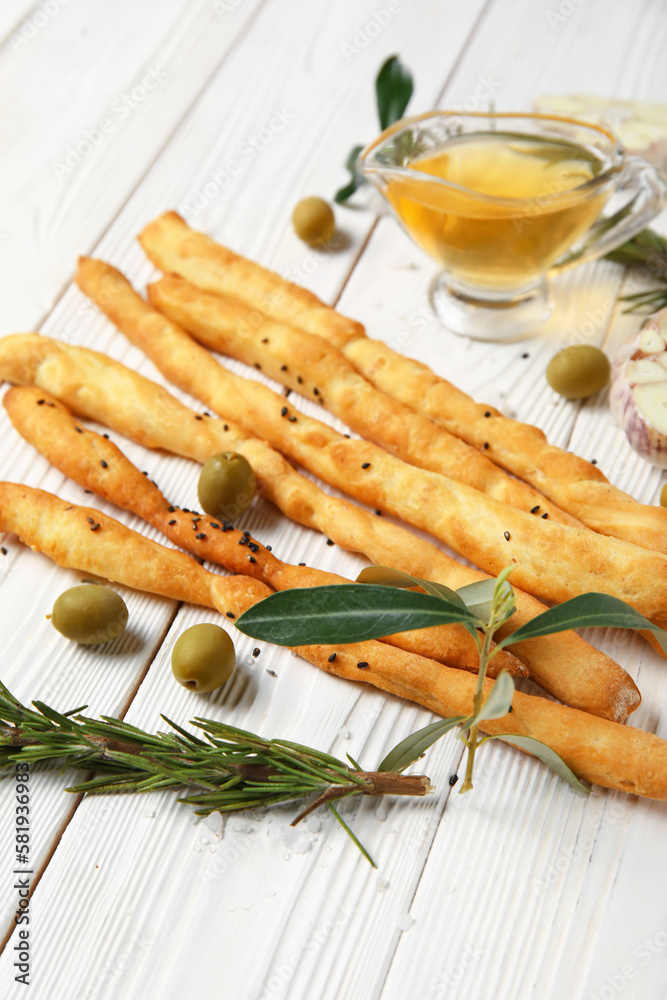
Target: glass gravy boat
{"points": [[499, 200]]}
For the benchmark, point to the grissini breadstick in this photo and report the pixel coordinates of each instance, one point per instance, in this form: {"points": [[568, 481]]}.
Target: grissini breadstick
{"points": [[97, 387], [570, 481], [174, 247], [96, 463], [309, 365], [575, 485], [552, 561], [597, 750]]}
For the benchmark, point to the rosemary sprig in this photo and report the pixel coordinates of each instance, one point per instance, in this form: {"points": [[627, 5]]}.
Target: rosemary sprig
{"points": [[229, 770], [646, 250]]}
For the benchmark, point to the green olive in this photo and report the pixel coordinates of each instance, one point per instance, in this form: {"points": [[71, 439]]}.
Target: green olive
{"points": [[579, 371], [89, 614], [663, 496], [226, 485], [203, 658], [314, 221]]}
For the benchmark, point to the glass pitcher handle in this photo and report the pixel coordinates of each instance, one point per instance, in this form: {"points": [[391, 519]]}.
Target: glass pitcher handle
{"points": [[609, 232]]}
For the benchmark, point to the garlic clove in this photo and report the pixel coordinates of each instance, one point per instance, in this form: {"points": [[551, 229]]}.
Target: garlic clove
{"points": [[651, 401], [645, 370], [651, 340]]}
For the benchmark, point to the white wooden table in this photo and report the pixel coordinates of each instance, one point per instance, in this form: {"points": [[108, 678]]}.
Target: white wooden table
{"points": [[517, 890]]}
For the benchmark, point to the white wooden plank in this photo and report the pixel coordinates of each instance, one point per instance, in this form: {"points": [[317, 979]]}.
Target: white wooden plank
{"points": [[299, 702], [92, 100]]}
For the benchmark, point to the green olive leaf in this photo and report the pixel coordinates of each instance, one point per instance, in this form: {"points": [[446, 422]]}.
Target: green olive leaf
{"points": [[393, 87], [547, 756], [412, 747], [585, 611], [356, 179], [498, 703], [345, 613], [387, 577]]}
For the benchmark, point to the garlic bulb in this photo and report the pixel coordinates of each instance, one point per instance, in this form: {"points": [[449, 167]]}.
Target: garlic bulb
{"points": [[638, 397]]}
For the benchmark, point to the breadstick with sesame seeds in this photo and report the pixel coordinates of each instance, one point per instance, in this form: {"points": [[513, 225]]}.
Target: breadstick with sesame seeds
{"points": [[552, 561], [97, 387], [96, 463], [309, 365], [175, 248], [597, 750]]}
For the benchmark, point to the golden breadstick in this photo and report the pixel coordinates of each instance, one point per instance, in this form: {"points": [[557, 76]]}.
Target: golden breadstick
{"points": [[552, 561], [80, 453], [575, 485], [306, 363], [174, 247], [597, 750], [97, 387]]}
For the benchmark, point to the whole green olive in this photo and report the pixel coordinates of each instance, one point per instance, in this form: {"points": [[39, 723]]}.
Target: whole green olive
{"points": [[314, 221], [203, 657], [89, 614], [226, 485], [578, 371]]}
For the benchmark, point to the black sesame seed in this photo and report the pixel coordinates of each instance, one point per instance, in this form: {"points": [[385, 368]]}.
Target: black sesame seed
{"points": [[225, 427], [196, 513], [302, 564], [488, 413], [242, 541], [200, 535], [171, 509], [106, 436], [173, 521], [3, 550], [186, 510], [329, 542], [258, 366], [283, 368], [253, 546], [214, 524], [252, 559], [525, 354], [40, 402], [507, 536], [78, 429], [50, 404], [256, 651], [347, 436], [510, 709], [534, 510], [88, 491], [486, 446], [365, 465], [246, 534], [362, 665], [144, 473], [105, 465], [284, 411], [594, 461], [453, 778], [299, 380], [378, 512], [332, 658], [198, 416], [265, 340], [292, 420], [95, 527], [206, 413], [90, 520], [544, 517], [272, 673], [316, 392], [230, 614], [269, 548]]}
